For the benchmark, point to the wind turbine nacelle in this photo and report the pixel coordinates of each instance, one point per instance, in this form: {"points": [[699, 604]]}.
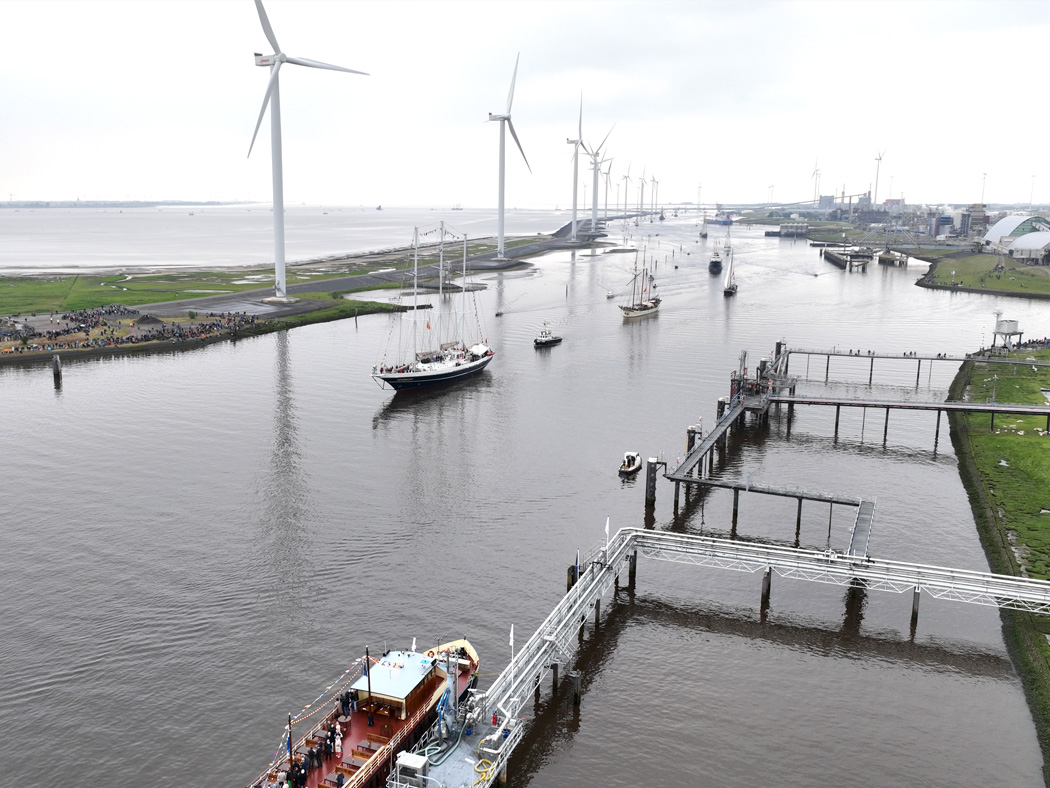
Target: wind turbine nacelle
{"points": [[265, 60]]}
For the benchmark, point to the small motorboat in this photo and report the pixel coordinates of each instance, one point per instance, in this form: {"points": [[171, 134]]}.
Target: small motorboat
{"points": [[632, 463], [546, 338], [499, 313]]}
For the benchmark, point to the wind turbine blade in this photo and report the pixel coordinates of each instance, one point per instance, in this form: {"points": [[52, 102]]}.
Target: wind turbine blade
{"points": [[606, 139], [510, 126], [266, 101], [302, 61], [510, 96], [266, 26], [580, 129]]}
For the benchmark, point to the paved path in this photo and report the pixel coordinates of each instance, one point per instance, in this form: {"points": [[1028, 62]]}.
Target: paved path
{"points": [[251, 301]]}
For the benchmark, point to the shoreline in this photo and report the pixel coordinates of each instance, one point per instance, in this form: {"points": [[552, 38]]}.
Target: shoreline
{"points": [[306, 310], [1025, 642]]}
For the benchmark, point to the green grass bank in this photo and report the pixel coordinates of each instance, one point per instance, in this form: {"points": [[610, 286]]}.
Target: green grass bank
{"points": [[1006, 474]]}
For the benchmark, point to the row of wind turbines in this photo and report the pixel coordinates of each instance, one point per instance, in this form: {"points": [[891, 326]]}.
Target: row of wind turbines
{"points": [[272, 100]]}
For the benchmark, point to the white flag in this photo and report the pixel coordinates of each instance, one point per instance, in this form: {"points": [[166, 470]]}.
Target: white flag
{"points": [[512, 634]]}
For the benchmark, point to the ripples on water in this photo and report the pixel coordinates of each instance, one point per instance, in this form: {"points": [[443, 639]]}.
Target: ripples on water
{"points": [[196, 543]]}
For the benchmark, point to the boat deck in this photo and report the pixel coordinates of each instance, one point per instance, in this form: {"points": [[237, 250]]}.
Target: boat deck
{"points": [[371, 737]]}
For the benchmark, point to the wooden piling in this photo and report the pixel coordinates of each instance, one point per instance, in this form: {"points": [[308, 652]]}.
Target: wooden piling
{"points": [[650, 480], [574, 680], [736, 506], [886, 428], [915, 607], [838, 408], [554, 672], [767, 583], [597, 612], [632, 570], [871, 370]]}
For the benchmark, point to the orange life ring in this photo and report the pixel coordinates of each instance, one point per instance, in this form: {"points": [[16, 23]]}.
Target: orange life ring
{"points": [[430, 653]]}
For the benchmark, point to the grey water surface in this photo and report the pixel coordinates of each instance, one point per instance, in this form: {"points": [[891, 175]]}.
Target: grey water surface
{"points": [[195, 544]]}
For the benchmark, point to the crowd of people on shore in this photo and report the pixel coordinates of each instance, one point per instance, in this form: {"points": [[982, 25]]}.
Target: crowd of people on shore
{"points": [[112, 334]]}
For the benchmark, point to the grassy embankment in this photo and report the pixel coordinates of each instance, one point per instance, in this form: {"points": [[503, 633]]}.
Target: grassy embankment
{"points": [[1006, 473], [26, 294], [978, 272]]}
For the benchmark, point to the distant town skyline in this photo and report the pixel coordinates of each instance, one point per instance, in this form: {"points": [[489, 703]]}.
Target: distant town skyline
{"points": [[721, 101]]}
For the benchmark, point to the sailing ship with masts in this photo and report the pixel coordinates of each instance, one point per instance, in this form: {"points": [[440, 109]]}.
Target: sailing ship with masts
{"points": [[426, 356], [642, 302]]}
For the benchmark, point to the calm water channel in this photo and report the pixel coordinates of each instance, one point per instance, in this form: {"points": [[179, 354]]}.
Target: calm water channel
{"points": [[195, 544]]}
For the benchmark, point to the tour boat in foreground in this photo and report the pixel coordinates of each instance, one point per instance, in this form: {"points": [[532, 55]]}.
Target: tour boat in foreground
{"points": [[632, 463], [374, 714], [437, 348]]}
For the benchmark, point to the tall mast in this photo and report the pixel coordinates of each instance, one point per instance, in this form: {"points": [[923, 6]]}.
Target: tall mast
{"points": [[441, 261], [415, 304], [463, 303]]}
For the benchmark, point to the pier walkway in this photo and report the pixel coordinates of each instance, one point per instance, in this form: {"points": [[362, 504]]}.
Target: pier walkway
{"points": [[495, 715], [958, 407], [782, 361]]}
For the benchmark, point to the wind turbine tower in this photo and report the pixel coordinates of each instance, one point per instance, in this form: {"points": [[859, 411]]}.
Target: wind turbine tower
{"points": [[576, 143], [596, 165], [626, 182], [608, 173], [273, 99], [505, 123]]}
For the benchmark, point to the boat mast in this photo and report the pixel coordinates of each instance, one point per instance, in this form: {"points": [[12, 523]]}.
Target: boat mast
{"points": [[441, 260], [463, 307], [415, 299]]}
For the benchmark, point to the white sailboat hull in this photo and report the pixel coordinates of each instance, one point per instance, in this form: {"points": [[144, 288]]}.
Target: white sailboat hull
{"points": [[642, 309]]}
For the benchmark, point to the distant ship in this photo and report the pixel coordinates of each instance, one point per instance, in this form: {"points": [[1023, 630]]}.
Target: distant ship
{"points": [[722, 217], [457, 207]]}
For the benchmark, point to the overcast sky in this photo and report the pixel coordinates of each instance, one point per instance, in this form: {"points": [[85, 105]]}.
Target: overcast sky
{"points": [[157, 99]]}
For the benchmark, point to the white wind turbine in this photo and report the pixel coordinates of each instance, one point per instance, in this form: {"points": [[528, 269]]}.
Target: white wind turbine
{"points": [[626, 178], [576, 144], [596, 164], [816, 183], [608, 173], [273, 98], [652, 197], [504, 123]]}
